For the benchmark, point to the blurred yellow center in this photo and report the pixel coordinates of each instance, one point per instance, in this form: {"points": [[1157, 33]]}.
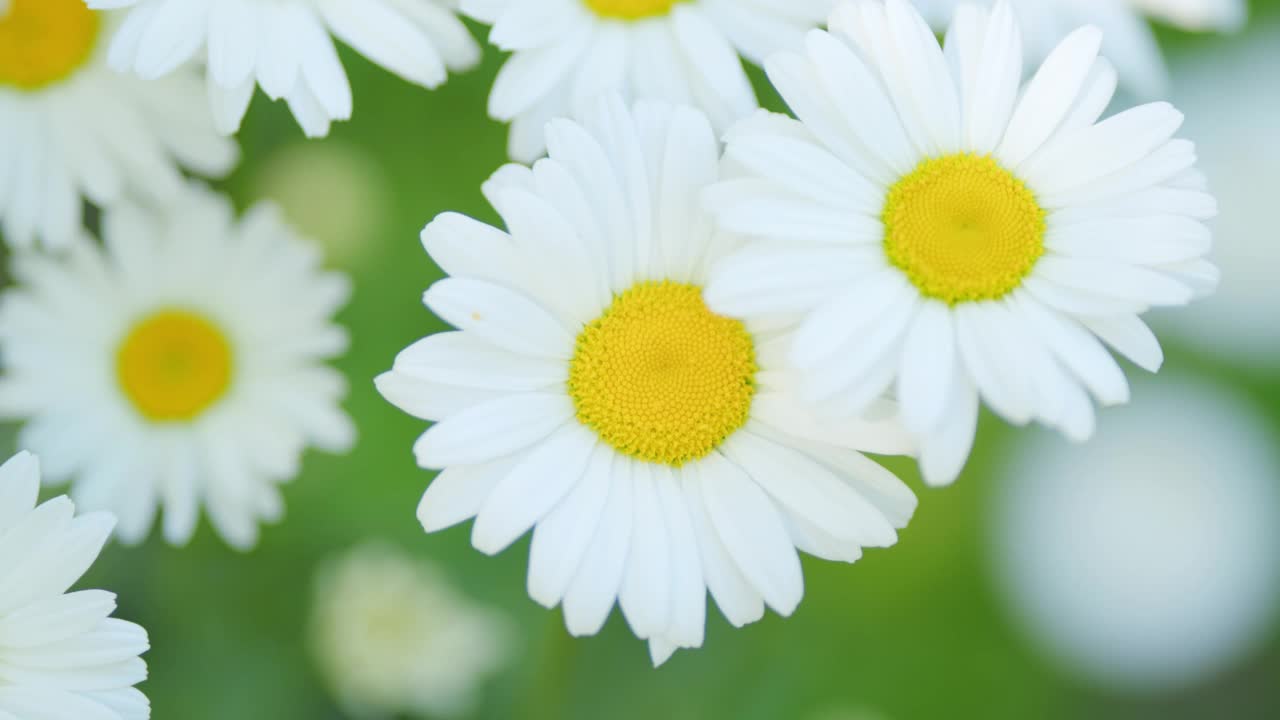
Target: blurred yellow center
{"points": [[174, 365], [44, 41], [660, 377], [631, 9], [963, 228]]}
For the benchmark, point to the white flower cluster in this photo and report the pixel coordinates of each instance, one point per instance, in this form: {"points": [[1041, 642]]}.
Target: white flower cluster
{"points": [[671, 363]]}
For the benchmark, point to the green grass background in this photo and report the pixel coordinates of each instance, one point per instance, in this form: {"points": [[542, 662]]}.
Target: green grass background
{"points": [[915, 632]]}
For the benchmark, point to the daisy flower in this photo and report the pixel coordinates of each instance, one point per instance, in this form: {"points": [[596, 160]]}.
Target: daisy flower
{"points": [[179, 366], [63, 656], [74, 130], [998, 234], [1130, 44], [285, 47], [568, 52], [394, 637], [589, 394]]}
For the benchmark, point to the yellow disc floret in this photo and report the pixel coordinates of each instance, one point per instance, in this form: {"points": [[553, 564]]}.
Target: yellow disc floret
{"points": [[963, 228], [660, 377], [44, 41], [631, 9], [174, 365]]}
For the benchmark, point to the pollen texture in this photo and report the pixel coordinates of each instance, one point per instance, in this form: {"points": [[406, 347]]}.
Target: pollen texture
{"points": [[963, 228], [660, 377]]}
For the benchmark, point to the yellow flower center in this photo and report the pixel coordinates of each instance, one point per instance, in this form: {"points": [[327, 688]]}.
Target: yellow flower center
{"points": [[963, 228], [174, 365], [631, 9], [44, 41], [660, 377]]}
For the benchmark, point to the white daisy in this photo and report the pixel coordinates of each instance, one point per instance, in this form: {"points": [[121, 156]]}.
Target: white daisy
{"points": [[284, 46], [73, 130], [1147, 563], [568, 52], [180, 366], [995, 234], [590, 394], [62, 655], [393, 636], [1130, 44]]}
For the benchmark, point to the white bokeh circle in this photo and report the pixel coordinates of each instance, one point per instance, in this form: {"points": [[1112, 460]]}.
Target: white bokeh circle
{"points": [[1145, 559]]}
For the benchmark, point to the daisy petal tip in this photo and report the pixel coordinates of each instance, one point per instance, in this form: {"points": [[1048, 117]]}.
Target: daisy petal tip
{"points": [[938, 479], [582, 623], [489, 537], [382, 383], [24, 465], [660, 651], [938, 470], [539, 593]]}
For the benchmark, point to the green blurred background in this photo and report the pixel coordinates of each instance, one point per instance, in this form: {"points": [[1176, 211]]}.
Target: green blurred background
{"points": [[917, 631]]}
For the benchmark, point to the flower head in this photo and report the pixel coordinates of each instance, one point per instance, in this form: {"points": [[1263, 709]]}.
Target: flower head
{"points": [[992, 236], [179, 366], [74, 131], [653, 446], [567, 53], [285, 48], [394, 636], [63, 656]]}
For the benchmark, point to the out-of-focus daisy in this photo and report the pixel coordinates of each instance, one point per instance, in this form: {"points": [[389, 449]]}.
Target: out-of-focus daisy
{"points": [[1129, 42], [336, 193], [590, 394], [569, 52], [179, 366], [62, 655], [285, 47], [997, 235], [1148, 562], [393, 636], [73, 130], [1238, 142]]}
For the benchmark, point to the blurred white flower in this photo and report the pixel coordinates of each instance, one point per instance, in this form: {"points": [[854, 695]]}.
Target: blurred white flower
{"points": [[71, 129], [1129, 42], [334, 192], [179, 366], [393, 636], [62, 655], [1233, 119], [1148, 561], [285, 47], [569, 52]]}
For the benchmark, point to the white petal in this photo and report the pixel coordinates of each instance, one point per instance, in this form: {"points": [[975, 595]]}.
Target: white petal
{"points": [[752, 532], [561, 539], [492, 430], [534, 486], [928, 367], [645, 595], [595, 584], [500, 316], [458, 492]]}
